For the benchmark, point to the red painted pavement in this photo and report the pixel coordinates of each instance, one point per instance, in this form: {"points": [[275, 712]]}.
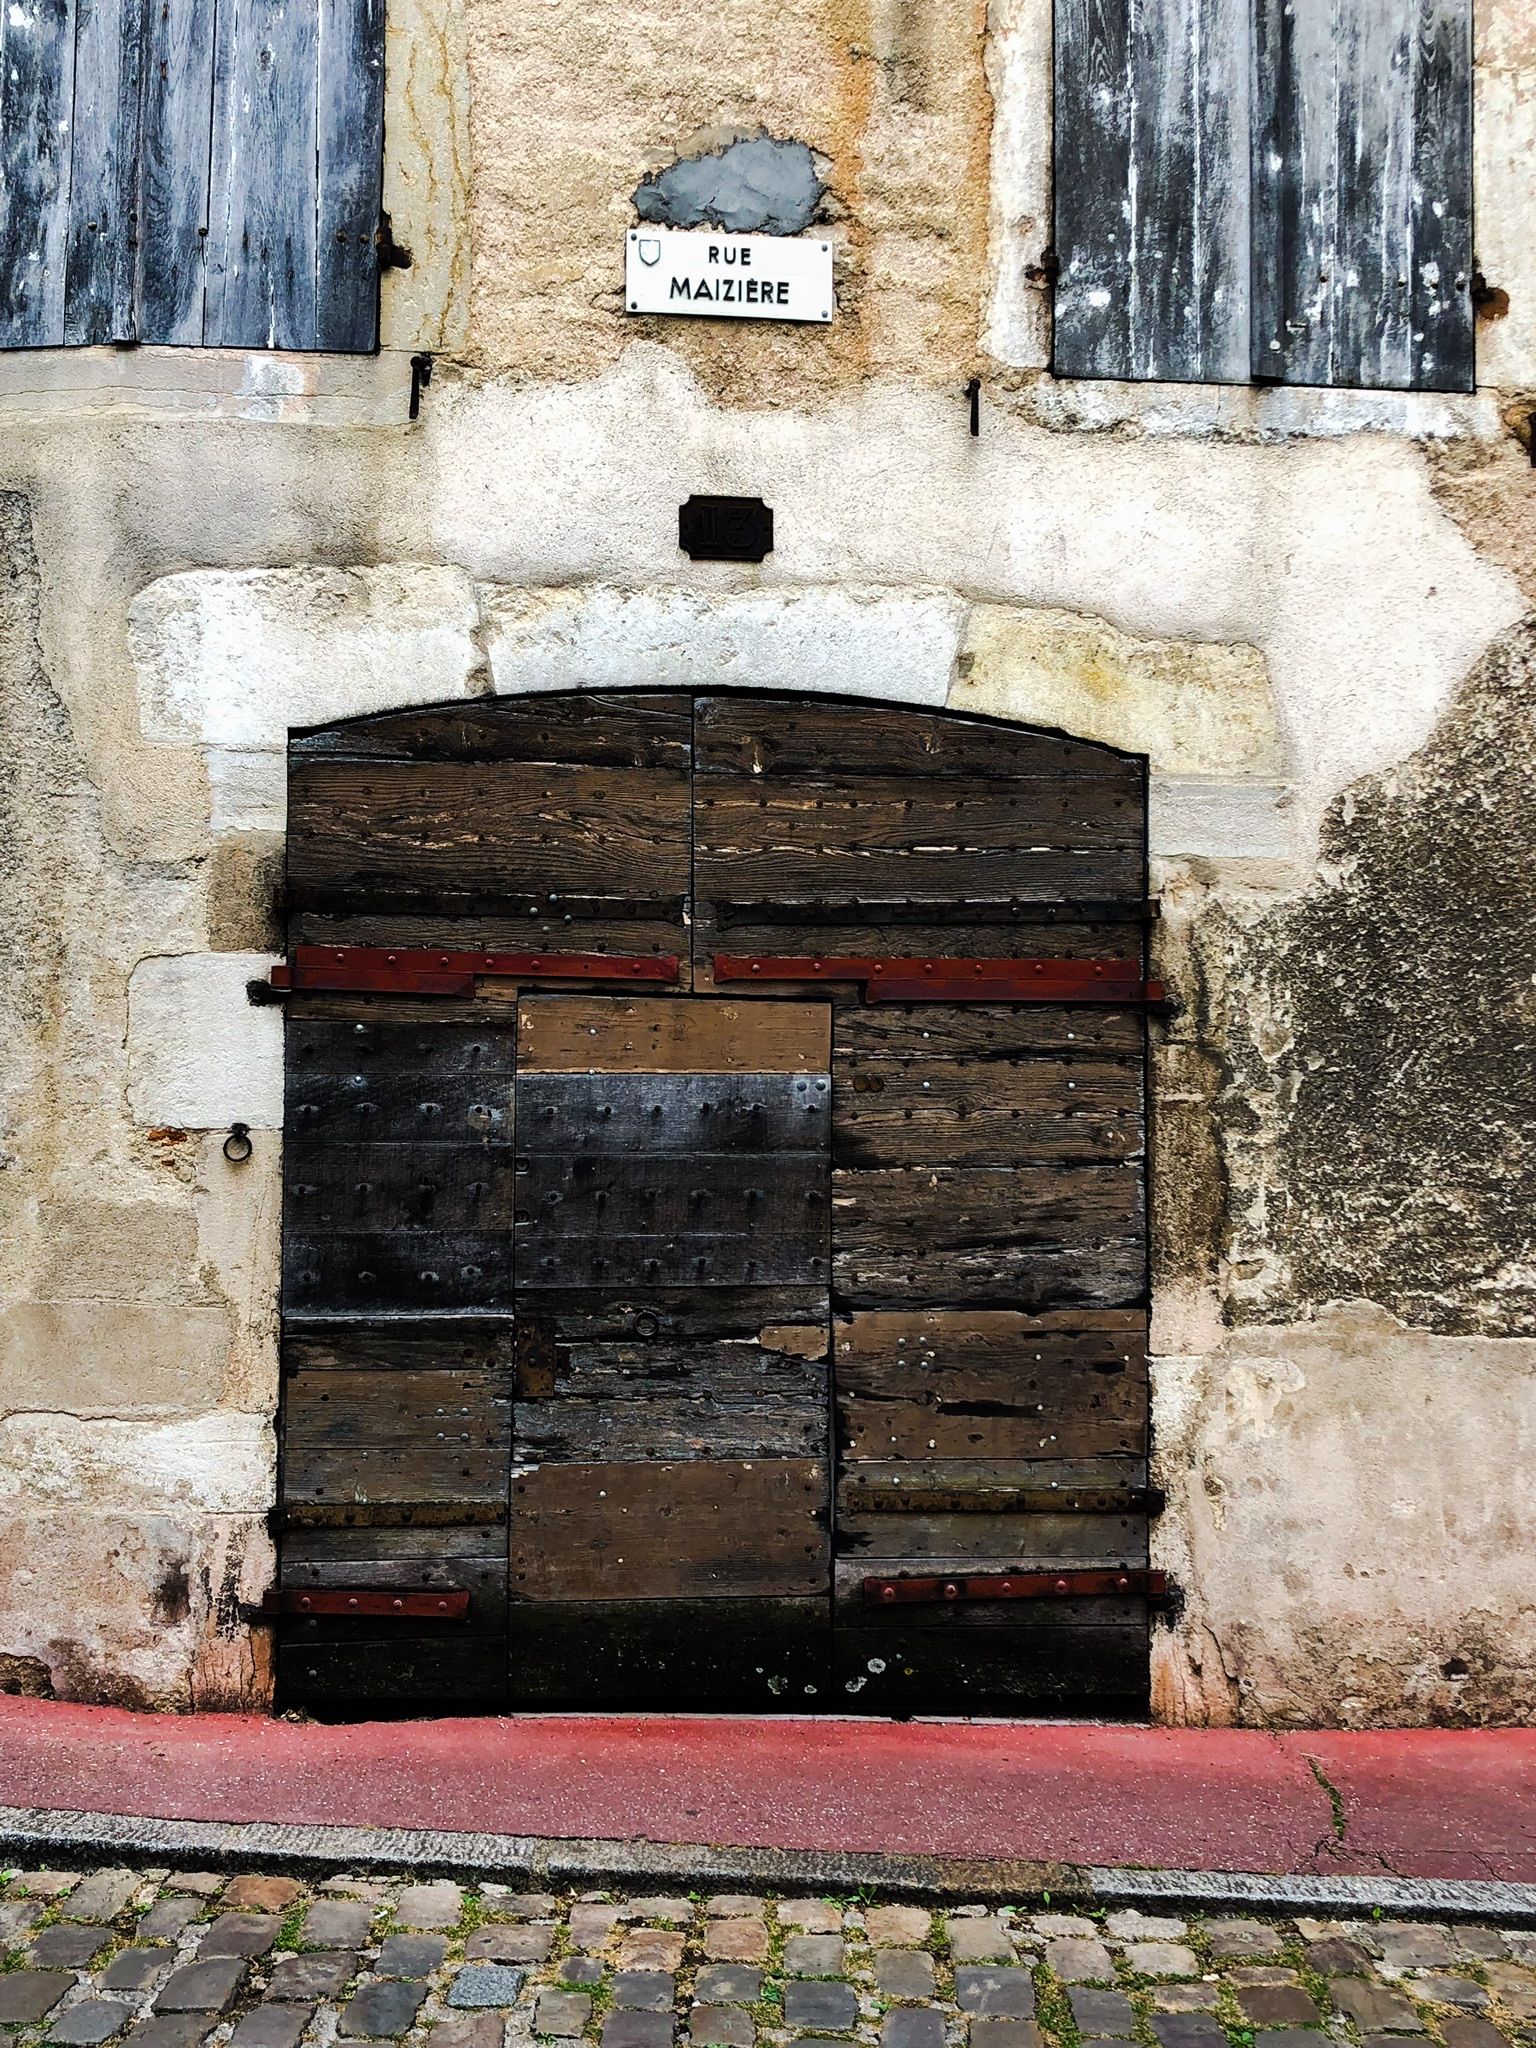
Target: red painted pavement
{"points": [[1452, 1804]]}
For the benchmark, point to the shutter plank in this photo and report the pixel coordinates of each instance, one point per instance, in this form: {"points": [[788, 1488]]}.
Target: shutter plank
{"points": [[350, 142], [1362, 129], [178, 91], [100, 299], [261, 281], [37, 43], [1152, 189]]}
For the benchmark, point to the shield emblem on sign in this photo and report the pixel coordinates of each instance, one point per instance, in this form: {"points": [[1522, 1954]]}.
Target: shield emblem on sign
{"points": [[649, 249]]}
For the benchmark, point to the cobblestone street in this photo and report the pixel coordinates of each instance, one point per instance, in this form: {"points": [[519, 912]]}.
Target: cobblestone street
{"points": [[177, 1959]]}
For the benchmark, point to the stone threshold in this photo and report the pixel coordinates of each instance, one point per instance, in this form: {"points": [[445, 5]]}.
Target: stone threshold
{"points": [[67, 1836]]}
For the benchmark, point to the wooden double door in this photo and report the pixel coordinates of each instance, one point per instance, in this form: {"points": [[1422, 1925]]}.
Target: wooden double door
{"points": [[715, 1340]]}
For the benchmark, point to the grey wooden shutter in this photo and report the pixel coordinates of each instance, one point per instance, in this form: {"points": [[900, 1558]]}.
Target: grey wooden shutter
{"points": [[1363, 184], [1270, 188], [182, 172], [1152, 189]]}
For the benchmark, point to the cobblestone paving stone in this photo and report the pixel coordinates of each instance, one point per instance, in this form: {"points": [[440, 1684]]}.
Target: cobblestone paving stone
{"points": [[146, 1958]]}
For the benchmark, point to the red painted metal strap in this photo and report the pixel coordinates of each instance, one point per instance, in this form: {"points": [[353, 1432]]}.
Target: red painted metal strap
{"points": [[426, 971], [955, 981], [898, 1592], [444, 1606]]}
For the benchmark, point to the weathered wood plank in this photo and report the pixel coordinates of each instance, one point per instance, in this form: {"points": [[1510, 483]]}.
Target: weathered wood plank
{"points": [[37, 69], [423, 1109], [652, 1116], [174, 173], [576, 1320], [936, 1424], [1152, 190], [981, 1033], [846, 874], [262, 209], [923, 1486], [446, 1188], [398, 1672], [771, 1207], [1362, 182], [764, 738], [897, 1112], [1027, 1239], [591, 729], [633, 1532], [879, 1542], [757, 1656], [666, 1035], [396, 1436], [411, 830], [101, 290], [898, 814], [369, 1273], [382, 1563], [350, 146], [382, 1053]]}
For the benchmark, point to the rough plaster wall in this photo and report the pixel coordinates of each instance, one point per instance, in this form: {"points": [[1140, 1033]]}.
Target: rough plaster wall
{"points": [[570, 106], [132, 1285]]}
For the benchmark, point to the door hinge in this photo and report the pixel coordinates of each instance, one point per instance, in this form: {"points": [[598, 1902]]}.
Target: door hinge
{"points": [[405, 971], [367, 1602], [392, 254], [976, 1586]]}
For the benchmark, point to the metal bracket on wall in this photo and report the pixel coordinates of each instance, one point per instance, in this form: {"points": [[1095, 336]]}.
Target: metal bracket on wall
{"points": [[397, 970], [893, 1592], [958, 981], [369, 1603]]}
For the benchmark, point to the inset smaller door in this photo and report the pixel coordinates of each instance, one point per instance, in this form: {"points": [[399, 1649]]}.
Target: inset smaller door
{"points": [[671, 1487]]}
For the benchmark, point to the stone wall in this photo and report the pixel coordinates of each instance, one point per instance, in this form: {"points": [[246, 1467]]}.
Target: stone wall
{"points": [[1308, 609]]}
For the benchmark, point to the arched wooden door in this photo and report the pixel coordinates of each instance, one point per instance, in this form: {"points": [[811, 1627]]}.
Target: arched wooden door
{"points": [[714, 1241]]}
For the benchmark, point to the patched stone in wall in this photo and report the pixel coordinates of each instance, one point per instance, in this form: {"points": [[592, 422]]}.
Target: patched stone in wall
{"points": [[234, 659], [220, 1463], [1194, 707], [1349, 1519], [756, 184], [200, 1054], [1376, 1121], [108, 1356]]}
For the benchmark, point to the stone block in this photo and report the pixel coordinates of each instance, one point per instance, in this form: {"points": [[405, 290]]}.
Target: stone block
{"points": [[1102, 2015], [135, 1969], [563, 2013], [240, 1934], [1285, 2037], [202, 1987], [720, 2026], [582, 1970], [482, 1984], [166, 1918], [1375, 2008], [590, 1925], [1277, 2005], [1483, 1944], [729, 1984], [912, 2026], [829, 2008], [529, 1944], [413, 1955], [904, 1973], [637, 2030], [202, 1884], [337, 1923], [1161, 1959], [810, 1916], [1194, 707], [1185, 1997], [200, 1056], [382, 2009], [1514, 1986], [170, 2030], [67, 1948], [1232, 1940], [736, 1941], [1440, 1989], [987, 2033], [1188, 2030], [814, 1955], [1130, 1924], [430, 1905], [897, 1926], [322, 1973], [113, 1356], [651, 1948], [983, 1940], [470, 2030], [643, 1990], [90, 2023], [1416, 1948], [272, 2026], [734, 1906], [1333, 1956], [663, 1906], [1077, 1961], [253, 1893], [234, 658], [18, 1917], [103, 1895], [998, 1993], [1471, 2030]]}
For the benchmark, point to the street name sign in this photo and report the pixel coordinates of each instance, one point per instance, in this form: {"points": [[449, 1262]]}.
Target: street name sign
{"points": [[728, 277]]}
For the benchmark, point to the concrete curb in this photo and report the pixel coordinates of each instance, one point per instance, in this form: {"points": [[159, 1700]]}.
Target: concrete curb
{"points": [[70, 1836]]}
